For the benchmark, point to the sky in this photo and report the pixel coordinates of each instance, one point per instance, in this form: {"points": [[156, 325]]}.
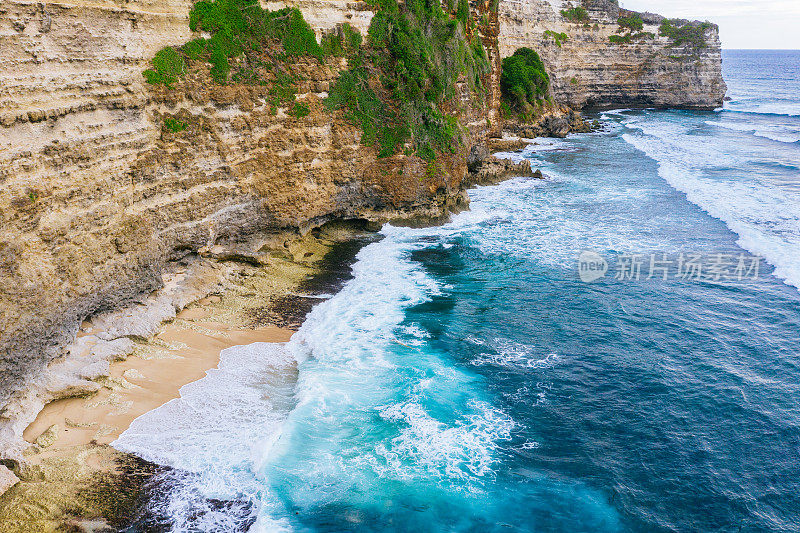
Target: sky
{"points": [[742, 23]]}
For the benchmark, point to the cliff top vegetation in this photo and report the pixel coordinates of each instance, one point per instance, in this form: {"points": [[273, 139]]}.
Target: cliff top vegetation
{"points": [[692, 34], [398, 82], [524, 82]]}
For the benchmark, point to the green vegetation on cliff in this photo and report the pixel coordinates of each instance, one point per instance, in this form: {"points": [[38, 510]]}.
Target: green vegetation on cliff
{"points": [[633, 22], [174, 125], [575, 14], [631, 37], [240, 33], [630, 30], [523, 82], [240, 26], [559, 38], [168, 66], [402, 85], [680, 32]]}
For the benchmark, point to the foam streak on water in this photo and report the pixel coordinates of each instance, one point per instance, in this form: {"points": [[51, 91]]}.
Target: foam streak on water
{"points": [[718, 178]]}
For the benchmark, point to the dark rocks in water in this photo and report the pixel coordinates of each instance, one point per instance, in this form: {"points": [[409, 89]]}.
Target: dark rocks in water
{"points": [[558, 123], [494, 169], [555, 126], [479, 152]]}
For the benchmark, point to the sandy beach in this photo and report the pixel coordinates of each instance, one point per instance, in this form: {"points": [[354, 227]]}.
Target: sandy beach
{"points": [[71, 479], [182, 352]]}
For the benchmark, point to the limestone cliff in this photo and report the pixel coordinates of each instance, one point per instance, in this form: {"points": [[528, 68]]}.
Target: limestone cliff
{"points": [[587, 69]]}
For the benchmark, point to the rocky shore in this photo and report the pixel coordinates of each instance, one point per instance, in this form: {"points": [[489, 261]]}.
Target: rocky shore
{"points": [[67, 476], [145, 221]]}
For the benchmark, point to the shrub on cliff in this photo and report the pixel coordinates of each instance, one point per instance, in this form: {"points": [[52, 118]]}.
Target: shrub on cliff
{"points": [[631, 23], [685, 33], [174, 125], [239, 26], [168, 66], [629, 38], [620, 39], [523, 81], [300, 110], [343, 42], [398, 84], [401, 87], [559, 38], [575, 14]]}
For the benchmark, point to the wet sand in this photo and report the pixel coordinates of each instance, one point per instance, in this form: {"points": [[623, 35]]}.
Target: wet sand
{"points": [[181, 353], [71, 479]]}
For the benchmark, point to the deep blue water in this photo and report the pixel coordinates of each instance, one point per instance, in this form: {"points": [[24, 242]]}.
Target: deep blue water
{"points": [[466, 379]]}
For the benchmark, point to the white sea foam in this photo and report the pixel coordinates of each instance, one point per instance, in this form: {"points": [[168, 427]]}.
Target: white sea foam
{"points": [[780, 137], [618, 111], [517, 219], [427, 448], [777, 133], [765, 217], [347, 341], [510, 354], [781, 109], [547, 144], [209, 432]]}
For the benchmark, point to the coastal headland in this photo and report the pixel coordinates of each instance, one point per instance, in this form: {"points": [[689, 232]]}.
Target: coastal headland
{"points": [[171, 175]]}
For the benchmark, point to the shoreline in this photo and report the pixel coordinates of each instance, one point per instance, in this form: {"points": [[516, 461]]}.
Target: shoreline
{"points": [[180, 353], [226, 298], [70, 477]]}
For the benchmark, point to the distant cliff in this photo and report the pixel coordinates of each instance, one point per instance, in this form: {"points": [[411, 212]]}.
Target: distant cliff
{"points": [[594, 61]]}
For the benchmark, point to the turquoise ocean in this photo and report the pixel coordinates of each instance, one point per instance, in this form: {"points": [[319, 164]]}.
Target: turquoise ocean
{"points": [[466, 379]]}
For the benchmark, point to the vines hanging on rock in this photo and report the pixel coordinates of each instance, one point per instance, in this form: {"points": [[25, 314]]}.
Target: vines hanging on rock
{"points": [[399, 84]]}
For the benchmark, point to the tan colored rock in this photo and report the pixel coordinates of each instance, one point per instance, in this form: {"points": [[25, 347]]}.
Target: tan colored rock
{"points": [[7, 479], [49, 437]]}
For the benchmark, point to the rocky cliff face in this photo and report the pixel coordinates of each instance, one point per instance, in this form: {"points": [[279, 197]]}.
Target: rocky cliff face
{"points": [[73, 121], [587, 69], [100, 199]]}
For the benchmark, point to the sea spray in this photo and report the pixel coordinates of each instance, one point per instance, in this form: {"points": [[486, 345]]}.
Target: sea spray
{"points": [[382, 420], [208, 434]]}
